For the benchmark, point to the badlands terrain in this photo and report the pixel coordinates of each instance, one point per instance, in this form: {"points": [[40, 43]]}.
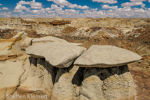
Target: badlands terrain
{"points": [[57, 58]]}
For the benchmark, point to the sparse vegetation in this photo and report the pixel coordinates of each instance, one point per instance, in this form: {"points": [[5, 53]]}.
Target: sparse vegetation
{"points": [[68, 30], [56, 22], [7, 33], [93, 29], [33, 34]]}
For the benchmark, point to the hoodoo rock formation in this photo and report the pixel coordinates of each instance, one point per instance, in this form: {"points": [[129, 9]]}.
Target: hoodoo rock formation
{"points": [[106, 76], [59, 70]]}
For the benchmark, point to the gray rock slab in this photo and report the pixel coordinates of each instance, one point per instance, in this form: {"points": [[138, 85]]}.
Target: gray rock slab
{"points": [[57, 54], [104, 56]]}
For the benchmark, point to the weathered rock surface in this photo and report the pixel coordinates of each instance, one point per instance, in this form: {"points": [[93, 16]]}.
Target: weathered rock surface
{"points": [[49, 70], [12, 46], [48, 39], [63, 87], [114, 83], [26, 43], [106, 56], [10, 73], [57, 54], [38, 76]]}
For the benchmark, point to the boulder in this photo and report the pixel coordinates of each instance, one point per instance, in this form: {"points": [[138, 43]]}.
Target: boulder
{"points": [[57, 54], [104, 56], [26, 43]]}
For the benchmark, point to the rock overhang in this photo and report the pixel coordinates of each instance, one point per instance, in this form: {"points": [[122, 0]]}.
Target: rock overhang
{"points": [[105, 56]]}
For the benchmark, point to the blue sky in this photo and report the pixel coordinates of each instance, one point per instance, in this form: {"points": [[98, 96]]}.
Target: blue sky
{"points": [[75, 8]]}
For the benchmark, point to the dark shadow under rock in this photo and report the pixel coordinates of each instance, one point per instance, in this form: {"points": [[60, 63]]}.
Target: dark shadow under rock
{"points": [[104, 73]]}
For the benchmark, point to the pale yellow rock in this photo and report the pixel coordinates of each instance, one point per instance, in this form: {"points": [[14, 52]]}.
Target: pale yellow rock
{"points": [[91, 89], [10, 76], [12, 46], [38, 76], [63, 87], [26, 43]]}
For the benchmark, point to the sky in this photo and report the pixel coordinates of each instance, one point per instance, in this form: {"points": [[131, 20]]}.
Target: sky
{"points": [[75, 8]]}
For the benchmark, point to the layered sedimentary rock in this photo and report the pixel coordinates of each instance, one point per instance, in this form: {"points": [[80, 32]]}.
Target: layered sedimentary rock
{"points": [[60, 70]]}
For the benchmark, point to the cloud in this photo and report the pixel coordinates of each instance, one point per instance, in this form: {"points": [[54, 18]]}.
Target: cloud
{"points": [[35, 5], [63, 3], [143, 5], [148, 0], [0, 4], [19, 8], [106, 1], [24, 2], [128, 4], [137, 0], [72, 13], [109, 7], [94, 9], [5, 8], [139, 10], [6, 14], [36, 9]]}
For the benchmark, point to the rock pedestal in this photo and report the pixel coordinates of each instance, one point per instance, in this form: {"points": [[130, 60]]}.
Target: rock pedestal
{"points": [[66, 71]]}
